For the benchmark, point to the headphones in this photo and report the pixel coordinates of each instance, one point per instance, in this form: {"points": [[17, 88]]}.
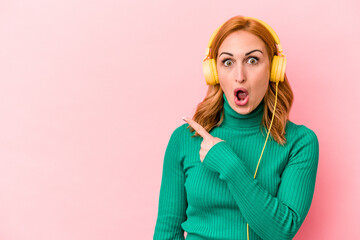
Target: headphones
{"points": [[277, 75], [278, 64]]}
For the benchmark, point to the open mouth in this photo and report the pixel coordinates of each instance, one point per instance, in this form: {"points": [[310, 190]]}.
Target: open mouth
{"points": [[241, 96], [241, 93]]}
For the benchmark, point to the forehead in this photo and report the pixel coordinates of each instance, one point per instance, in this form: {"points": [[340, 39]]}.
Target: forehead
{"points": [[240, 42]]}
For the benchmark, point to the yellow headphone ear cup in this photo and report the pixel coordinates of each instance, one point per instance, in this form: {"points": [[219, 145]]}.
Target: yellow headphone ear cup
{"points": [[278, 66], [210, 72]]}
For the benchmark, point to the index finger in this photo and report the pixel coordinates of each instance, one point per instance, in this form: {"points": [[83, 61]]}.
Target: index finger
{"points": [[198, 128]]}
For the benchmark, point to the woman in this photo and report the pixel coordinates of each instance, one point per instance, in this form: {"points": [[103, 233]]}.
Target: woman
{"points": [[213, 185]]}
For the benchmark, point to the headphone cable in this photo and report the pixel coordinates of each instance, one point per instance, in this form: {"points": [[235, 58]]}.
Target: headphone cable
{"points": [[272, 118]]}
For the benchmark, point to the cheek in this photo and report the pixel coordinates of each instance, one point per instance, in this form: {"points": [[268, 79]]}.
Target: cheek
{"points": [[221, 73], [263, 77], [265, 88], [261, 85], [224, 79]]}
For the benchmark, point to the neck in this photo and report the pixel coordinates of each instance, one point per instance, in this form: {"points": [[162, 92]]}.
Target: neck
{"points": [[235, 120]]}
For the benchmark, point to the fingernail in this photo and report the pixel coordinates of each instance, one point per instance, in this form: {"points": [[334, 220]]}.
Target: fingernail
{"points": [[184, 118]]}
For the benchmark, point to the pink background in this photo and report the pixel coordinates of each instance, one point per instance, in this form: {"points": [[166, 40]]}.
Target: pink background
{"points": [[92, 90]]}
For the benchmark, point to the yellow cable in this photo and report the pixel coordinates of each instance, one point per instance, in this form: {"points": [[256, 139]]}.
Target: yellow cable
{"points": [[272, 118]]}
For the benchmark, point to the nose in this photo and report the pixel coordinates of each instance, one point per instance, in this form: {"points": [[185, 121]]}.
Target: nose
{"points": [[239, 73]]}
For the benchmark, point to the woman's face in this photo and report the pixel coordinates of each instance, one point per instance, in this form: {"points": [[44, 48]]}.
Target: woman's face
{"points": [[243, 62]]}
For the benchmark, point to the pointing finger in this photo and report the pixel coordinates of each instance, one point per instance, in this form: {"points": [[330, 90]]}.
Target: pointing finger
{"points": [[198, 128]]}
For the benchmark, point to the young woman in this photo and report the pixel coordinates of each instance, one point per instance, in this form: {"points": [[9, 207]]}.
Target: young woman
{"points": [[248, 172]]}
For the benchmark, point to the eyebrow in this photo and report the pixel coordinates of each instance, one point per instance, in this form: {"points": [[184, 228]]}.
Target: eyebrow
{"points": [[245, 54]]}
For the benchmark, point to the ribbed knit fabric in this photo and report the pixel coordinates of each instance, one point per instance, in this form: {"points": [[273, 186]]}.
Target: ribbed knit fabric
{"points": [[214, 199]]}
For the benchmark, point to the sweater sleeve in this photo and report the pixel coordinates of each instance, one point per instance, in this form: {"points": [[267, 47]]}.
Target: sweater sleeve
{"points": [[172, 200], [271, 217]]}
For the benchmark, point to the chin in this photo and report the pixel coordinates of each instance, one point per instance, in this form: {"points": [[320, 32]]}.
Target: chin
{"points": [[243, 109], [244, 112]]}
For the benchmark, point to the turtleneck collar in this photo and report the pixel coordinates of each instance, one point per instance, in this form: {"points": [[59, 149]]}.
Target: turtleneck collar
{"points": [[235, 120]]}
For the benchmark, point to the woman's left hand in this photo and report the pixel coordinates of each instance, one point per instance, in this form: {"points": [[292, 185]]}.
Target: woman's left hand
{"points": [[208, 140]]}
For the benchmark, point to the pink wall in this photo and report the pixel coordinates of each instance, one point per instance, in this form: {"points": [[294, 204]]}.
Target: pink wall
{"points": [[91, 91]]}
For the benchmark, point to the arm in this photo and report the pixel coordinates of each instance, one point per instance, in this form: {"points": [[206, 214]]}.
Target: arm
{"points": [[172, 200], [271, 217]]}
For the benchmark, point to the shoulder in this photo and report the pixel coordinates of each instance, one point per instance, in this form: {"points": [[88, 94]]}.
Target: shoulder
{"points": [[295, 131], [179, 131], [177, 135], [183, 131], [301, 137], [178, 141]]}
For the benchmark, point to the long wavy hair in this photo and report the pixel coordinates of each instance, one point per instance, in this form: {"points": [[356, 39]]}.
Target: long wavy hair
{"points": [[208, 112]]}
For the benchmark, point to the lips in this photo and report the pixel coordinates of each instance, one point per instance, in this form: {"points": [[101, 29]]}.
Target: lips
{"points": [[241, 96], [243, 90]]}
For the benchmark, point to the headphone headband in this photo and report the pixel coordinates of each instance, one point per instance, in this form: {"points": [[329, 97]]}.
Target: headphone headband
{"points": [[267, 26]]}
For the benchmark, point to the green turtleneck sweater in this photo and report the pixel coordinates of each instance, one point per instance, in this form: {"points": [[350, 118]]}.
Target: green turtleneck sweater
{"points": [[214, 199]]}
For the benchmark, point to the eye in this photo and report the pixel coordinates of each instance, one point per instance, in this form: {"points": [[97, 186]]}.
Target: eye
{"points": [[253, 60], [227, 62]]}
